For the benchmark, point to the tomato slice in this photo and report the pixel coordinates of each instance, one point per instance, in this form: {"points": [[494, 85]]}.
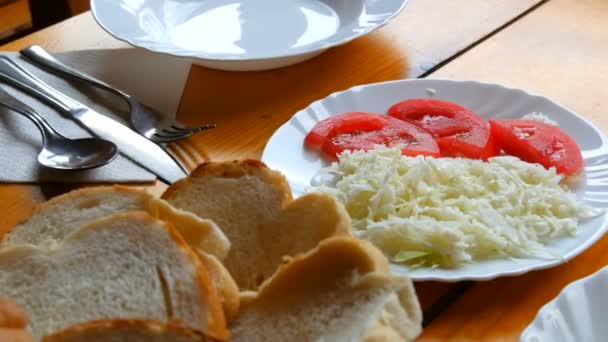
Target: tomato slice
{"points": [[475, 143], [538, 142], [458, 131], [362, 131], [348, 122]]}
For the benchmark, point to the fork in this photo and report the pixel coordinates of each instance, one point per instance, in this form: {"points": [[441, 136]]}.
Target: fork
{"points": [[146, 120]]}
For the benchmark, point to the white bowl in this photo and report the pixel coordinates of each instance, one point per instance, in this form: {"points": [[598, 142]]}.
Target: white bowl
{"points": [[577, 314], [242, 34]]}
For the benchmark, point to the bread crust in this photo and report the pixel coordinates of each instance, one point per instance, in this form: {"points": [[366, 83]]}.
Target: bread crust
{"points": [[12, 322], [217, 321], [224, 284], [68, 196], [11, 315], [234, 169], [146, 329]]}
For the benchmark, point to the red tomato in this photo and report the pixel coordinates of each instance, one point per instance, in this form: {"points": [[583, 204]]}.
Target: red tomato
{"points": [[474, 143], [362, 131], [537, 142], [349, 122], [458, 131]]}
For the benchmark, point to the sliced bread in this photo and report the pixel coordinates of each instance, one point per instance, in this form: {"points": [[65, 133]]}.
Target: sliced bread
{"points": [[62, 215], [124, 266], [339, 291], [253, 206], [126, 331]]}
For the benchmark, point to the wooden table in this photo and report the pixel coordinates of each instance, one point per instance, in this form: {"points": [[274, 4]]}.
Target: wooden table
{"points": [[557, 48]]}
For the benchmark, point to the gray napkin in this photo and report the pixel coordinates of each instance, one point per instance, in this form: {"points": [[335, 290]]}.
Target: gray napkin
{"points": [[21, 140]]}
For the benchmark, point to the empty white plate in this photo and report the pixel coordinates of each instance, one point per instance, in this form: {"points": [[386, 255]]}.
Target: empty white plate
{"points": [[285, 152], [242, 34], [577, 314]]}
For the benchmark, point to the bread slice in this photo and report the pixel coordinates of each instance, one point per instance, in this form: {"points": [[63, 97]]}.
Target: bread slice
{"points": [[222, 281], [125, 266], [12, 322], [253, 206], [339, 291], [126, 331], [62, 215]]}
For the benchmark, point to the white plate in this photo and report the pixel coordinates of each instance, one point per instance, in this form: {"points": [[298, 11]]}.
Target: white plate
{"points": [[242, 34], [285, 153], [577, 314]]}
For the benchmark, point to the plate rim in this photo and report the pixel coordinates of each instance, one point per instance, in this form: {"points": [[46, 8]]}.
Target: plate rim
{"points": [[515, 271], [235, 58], [570, 287]]}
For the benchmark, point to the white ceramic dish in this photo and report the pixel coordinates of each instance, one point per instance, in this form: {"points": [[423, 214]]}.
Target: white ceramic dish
{"points": [[576, 314], [242, 34], [285, 152]]}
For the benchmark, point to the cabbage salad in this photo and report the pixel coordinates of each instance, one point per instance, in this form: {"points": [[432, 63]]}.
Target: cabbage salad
{"points": [[445, 212]]}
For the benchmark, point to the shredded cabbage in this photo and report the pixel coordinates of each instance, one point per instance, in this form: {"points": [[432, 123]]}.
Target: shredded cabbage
{"points": [[449, 211]]}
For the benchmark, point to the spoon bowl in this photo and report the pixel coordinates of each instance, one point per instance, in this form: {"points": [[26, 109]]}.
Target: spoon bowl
{"points": [[77, 154], [59, 152]]}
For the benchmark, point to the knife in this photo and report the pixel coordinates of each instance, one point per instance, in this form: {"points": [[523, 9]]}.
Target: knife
{"points": [[134, 146]]}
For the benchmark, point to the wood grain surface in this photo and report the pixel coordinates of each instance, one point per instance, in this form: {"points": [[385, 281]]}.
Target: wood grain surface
{"points": [[77, 33], [248, 107], [14, 16], [559, 51]]}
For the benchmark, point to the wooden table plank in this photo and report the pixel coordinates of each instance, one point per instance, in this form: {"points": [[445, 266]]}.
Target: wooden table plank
{"points": [[14, 17], [77, 33], [249, 106], [559, 51]]}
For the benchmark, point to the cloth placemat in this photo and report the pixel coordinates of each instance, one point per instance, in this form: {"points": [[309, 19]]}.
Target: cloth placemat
{"points": [[155, 79]]}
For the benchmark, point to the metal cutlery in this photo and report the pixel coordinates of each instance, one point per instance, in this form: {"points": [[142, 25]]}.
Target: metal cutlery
{"points": [[147, 121], [59, 152], [136, 147]]}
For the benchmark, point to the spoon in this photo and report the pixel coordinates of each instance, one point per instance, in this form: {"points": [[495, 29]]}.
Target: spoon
{"points": [[59, 152]]}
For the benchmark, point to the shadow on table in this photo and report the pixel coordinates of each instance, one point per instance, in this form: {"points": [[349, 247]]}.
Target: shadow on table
{"points": [[212, 94], [264, 100]]}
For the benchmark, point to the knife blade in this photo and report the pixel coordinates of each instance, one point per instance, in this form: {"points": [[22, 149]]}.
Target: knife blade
{"points": [[137, 148]]}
